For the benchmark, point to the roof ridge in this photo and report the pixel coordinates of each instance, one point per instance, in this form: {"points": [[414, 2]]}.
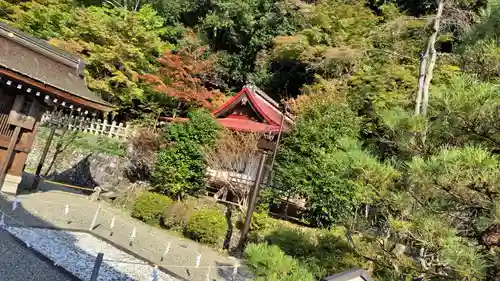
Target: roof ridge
{"points": [[261, 93], [256, 90], [42, 47]]}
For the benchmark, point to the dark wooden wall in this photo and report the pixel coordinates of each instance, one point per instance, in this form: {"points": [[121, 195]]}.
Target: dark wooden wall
{"points": [[23, 146]]}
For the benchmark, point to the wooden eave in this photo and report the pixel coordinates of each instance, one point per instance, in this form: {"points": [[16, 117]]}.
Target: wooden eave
{"points": [[61, 95], [56, 73]]}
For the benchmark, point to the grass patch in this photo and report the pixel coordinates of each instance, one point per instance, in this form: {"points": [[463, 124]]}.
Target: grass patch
{"points": [[86, 141]]}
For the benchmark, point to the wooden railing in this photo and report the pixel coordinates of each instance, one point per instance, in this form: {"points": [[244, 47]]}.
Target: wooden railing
{"points": [[88, 125]]}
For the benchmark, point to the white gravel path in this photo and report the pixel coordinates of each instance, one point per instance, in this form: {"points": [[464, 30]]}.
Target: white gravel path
{"points": [[77, 251]]}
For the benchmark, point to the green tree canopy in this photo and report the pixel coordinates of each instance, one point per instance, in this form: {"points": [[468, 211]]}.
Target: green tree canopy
{"points": [[117, 45]]}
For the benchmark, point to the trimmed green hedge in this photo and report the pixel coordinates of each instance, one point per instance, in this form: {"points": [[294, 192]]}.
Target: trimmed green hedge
{"points": [[149, 207], [207, 226]]}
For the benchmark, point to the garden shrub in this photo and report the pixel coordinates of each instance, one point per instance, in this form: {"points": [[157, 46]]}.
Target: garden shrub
{"points": [[150, 206], [201, 129], [324, 252], [261, 225], [293, 242], [141, 151], [177, 215], [261, 221], [180, 168], [207, 226], [269, 263], [332, 254], [129, 195]]}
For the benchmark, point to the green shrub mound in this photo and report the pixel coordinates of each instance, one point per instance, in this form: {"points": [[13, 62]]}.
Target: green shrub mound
{"points": [[177, 215], [149, 207], [269, 263], [207, 226]]}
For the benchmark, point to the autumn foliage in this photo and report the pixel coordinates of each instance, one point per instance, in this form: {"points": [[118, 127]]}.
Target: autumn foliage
{"points": [[181, 77]]}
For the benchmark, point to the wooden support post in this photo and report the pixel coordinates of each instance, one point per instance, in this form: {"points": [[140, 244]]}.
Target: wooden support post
{"points": [[8, 155], [54, 122], [86, 127], [102, 123], [254, 193], [270, 171], [70, 118], [36, 180], [92, 124]]}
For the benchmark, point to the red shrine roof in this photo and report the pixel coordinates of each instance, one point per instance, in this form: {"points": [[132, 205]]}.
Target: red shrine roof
{"points": [[251, 110]]}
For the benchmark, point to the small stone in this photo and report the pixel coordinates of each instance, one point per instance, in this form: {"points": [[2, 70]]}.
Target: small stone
{"points": [[399, 250]]}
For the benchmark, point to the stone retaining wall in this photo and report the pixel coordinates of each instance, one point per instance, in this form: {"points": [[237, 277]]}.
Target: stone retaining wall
{"points": [[77, 166]]}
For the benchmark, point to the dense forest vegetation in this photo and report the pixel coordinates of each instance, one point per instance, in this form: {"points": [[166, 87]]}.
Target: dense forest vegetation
{"points": [[416, 193]]}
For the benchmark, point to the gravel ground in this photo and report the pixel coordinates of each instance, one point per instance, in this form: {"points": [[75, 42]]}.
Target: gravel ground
{"points": [[19, 263], [77, 251], [47, 210]]}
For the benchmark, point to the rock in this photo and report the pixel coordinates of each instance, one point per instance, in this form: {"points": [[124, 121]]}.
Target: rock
{"points": [[111, 195], [81, 168], [399, 250], [491, 236]]}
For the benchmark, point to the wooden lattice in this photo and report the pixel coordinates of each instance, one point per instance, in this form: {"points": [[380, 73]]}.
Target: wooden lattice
{"points": [[6, 102], [234, 190]]}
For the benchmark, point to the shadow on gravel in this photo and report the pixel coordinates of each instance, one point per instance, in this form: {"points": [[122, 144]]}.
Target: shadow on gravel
{"points": [[117, 237], [225, 270], [27, 180], [36, 266]]}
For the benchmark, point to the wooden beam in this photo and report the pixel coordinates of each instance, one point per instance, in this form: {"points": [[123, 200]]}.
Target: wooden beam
{"points": [[20, 147], [252, 202], [58, 93]]}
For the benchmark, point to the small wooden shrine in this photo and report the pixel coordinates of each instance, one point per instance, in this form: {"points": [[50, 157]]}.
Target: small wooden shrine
{"points": [[251, 110], [35, 77]]}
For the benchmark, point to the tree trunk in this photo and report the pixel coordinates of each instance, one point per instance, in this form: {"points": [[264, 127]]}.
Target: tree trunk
{"points": [[432, 62], [421, 77], [427, 66]]}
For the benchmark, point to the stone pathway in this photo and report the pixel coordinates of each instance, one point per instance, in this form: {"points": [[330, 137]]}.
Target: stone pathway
{"points": [[47, 209]]}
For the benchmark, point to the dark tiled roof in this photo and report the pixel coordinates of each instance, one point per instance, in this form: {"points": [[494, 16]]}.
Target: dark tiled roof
{"points": [[40, 61]]}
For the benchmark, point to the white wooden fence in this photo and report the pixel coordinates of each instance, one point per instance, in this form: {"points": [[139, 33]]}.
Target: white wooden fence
{"points": [[87, 124]]}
